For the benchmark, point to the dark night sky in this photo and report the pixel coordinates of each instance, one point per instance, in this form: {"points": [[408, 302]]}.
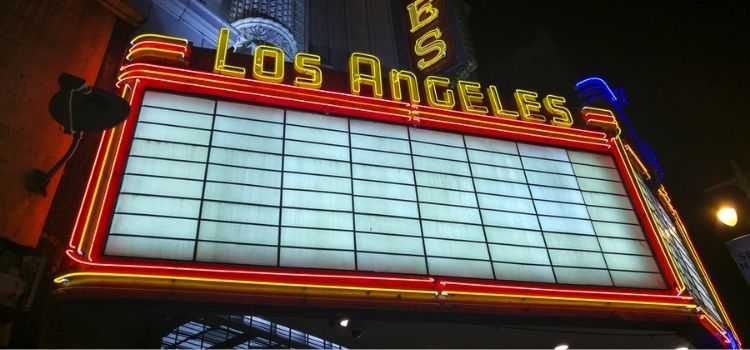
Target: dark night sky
{"points": [[684, 70]]}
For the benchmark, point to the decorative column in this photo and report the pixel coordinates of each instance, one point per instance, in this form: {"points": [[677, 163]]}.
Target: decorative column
{"points": [[280, 23]]}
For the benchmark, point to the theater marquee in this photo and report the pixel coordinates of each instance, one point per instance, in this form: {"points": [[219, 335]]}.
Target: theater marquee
{"points": [[258, 183]]}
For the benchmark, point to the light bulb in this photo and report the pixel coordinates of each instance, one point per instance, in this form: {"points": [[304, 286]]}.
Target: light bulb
{"points": [[728, 216]]}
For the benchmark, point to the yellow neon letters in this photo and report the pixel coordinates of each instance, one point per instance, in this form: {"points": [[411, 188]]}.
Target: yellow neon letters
{"points": [[431, 84], [556, 105], [220, 66], [421, 13], [273, 53], [471, 97], [528, 107], [436, 46], [497, 105], [309, 65], [357, 78], [396, 76]]}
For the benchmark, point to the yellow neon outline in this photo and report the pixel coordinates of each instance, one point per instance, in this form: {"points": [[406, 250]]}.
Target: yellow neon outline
{"points": [[158, 36], [528, 106], [583, 300], [308, 64], [163, 53], [556, 105], [430, 88], [356, 77], [96, 190], [220, 66], [497, 105], [643, 170], [436, 45], [471, 97], [395, 77], [259, 67], [416, 10]]}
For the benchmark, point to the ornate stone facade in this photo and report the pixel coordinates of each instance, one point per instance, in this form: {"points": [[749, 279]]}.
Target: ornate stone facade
{"points": [[280, 23]]}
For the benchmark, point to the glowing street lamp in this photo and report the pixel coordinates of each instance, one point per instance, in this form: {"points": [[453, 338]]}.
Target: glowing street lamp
{"points": [[727, 216]]}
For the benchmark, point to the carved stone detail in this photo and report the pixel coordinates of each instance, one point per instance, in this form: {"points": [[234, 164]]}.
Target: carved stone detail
{"points": [[256, 31]]}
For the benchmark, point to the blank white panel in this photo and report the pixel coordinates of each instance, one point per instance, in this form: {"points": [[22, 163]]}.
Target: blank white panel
{"points": [[240, 233], [305, 149], [372, 223], [591, 158], [247, 126], [380, 143], [317, 200], [595, 185], [638, 280], [250, 111], [385, 190], [596, 172], [142, 247], [438, 151], [542, 152], [318, 183], [140, 204], [569, 275], [514, 236], [554, 180], [610, 214], [385, 207], [193, 104], [389, 244], [240, 213], [520, 205], [168, 150], [561, 209], [166, 116], [322, 259], [460, 268], [566, 225], [496, 159], [246, 142], [316, 120], [161, 186], [549, 166], [376, 173], [514, 254], [378, 129], [317, 135], [577, 258], [456, 249], [452, 230], [611, 229], [567, 241], [311, 238], [236, 253], [241, 193], [527, 273], [391, 263], [243, 176], [161, 167], [606, 200], [381, 158], [441, 166], [316, 219], [502, 188], [247, 159], [556, 194], [172, 134], [317, 166], [497, 173], [444, 181], [448, 213], [449, 197], [506, 219], [627, 246], [154, 226], [631, 262], [493, 145], [443, 138]]}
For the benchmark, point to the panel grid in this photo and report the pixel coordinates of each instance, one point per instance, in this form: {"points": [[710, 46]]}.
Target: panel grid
{"points": [[224, 182]]}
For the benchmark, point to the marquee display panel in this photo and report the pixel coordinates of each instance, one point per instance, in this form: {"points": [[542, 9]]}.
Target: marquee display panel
{"points": [[223, 182]]}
